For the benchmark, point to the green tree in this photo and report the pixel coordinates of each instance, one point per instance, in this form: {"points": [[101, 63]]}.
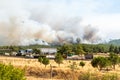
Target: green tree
{"points": [[114, 59], [116, 50], [82, 64], [77, 49], [65, 50], [100, 62], [101, 48], [87, 48], [95, 48], [58, 58], [13, 48], [40, 59], [119, 49], [45, 61], [111, 48], [36, 51]]}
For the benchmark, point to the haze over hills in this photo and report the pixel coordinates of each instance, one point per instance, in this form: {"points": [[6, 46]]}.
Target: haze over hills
{"points": [[114, 42]]}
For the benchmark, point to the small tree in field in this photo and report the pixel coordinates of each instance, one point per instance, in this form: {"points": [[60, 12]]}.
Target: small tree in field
{"points": [[82, 64], [114, 58], [100, 62], [45, 61], [58, 59], [40, 59]]}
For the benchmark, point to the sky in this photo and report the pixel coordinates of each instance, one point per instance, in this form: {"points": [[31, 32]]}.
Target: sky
{"points": [[26, 19], [101, 14]]}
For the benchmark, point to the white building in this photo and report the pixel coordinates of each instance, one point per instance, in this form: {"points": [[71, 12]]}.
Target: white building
{"points": [[49, 51]]}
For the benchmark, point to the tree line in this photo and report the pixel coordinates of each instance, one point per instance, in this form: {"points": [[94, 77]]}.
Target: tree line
{"points": [[79, 49], [91, 48]]}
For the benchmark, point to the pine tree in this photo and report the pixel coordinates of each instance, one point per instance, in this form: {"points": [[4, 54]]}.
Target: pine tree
{"points": [[111, 48]]}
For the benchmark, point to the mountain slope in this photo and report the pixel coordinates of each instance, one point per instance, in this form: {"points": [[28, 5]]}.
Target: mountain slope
{"points": [[114, 42]]}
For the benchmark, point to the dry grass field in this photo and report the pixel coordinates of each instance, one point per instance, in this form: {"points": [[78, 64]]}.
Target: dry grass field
{"points": [[36, 71]]}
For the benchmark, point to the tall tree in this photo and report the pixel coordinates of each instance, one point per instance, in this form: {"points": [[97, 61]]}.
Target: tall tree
{"points": [[111, 48], [116, 50], [65, 49], [114, 59], [77, 49], [45, 61], [119, 49], [40, 59], [58, 58]]}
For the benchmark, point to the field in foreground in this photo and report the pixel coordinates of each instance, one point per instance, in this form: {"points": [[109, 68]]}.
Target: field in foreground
{"points": [[36, 71]]}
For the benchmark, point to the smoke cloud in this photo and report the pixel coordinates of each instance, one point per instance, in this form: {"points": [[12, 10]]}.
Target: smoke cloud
{"points": [[90, 34], [21, 23]]}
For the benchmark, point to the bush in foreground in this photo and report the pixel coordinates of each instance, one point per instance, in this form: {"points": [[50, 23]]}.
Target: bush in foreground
{"points": [[8, 72]]}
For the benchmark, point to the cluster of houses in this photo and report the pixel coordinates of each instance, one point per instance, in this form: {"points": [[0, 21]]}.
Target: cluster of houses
{"points": [[48, 52]]}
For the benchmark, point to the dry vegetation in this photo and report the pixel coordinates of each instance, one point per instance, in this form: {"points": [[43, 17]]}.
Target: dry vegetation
{"points": [[36, 71]]}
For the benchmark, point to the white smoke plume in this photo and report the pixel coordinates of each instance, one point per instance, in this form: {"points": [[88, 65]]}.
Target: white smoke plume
{"points": [[22, 22]]}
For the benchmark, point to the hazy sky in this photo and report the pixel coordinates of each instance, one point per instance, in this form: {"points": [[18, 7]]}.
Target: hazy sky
{"points": [[104, 15]]}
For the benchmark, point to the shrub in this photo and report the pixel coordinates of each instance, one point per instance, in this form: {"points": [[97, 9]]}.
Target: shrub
{"points": [[8, 72], [82, 64]]}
